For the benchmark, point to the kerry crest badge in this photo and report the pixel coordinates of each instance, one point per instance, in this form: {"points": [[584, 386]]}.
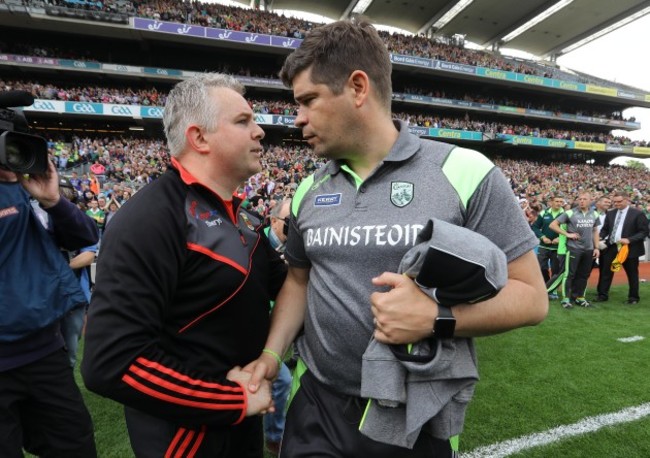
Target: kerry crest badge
{"points": [[401, 193]]}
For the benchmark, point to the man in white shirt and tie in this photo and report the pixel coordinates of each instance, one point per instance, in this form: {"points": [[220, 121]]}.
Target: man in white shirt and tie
{"points": [[624, 226]]}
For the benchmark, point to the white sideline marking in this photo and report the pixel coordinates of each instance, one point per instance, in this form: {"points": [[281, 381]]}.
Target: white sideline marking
{"points": [[630, 339], [586, 425]]}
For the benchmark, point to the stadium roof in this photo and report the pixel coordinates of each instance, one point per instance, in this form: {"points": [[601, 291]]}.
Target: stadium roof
{"points": [[488, 22]]}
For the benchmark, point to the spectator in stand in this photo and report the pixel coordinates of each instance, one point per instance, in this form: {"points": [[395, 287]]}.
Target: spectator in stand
{"points": [[183, 287], [88, 196], [260, 207], [85, 181], [101, 204], [75, 181], [93, 183], [278, 192], [97, 214], [113, 207], [126, 195]]}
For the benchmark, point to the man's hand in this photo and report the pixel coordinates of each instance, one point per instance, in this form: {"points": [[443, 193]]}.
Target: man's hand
{"points": [[624, 241], [43, 187], [263, 369], [404, 314], [260, 401]]}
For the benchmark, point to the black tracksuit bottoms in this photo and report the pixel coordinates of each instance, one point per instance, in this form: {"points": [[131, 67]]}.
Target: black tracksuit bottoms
{"points": [[322, 423]]}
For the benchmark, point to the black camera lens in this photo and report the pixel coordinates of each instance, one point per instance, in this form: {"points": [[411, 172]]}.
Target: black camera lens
{"points": [[23, 153], [16, 159]]}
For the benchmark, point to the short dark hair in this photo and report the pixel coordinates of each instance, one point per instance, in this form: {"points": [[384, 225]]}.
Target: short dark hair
{"points": [[335, 50]]}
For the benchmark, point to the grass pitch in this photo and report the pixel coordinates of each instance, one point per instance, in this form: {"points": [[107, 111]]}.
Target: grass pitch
{"points": [[553, 375]]}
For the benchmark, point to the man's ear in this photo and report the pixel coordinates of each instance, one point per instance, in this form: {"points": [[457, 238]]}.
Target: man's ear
{"points": [[195, 137], [359, 83]]}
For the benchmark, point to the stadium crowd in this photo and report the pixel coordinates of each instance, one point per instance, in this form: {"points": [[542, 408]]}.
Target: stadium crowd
{"points": [[478, 125], [530, 101], [264, 22], [157, 97], [118, 167], [153, 97], [89, 93]]}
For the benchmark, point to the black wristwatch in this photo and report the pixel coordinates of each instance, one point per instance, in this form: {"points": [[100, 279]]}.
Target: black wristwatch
{"points": [[445, 323]]}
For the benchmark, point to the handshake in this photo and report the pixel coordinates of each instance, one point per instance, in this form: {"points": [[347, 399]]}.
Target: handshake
{"points": [[256, 379]]}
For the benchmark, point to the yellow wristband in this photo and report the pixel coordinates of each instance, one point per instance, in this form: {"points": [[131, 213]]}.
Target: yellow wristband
{"points": [[275, 355]]}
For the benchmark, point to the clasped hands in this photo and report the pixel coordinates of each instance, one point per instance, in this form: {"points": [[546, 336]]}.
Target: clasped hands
{"points": [[260, 401], [402, 314]]}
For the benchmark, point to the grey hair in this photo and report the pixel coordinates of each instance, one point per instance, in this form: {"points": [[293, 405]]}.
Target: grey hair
{"points": [[189, 102], [275, 211]]}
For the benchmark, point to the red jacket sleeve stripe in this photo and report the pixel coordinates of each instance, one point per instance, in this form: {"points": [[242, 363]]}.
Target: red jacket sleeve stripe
{"points": [[182, 377], [154, 379], [175, 400]]}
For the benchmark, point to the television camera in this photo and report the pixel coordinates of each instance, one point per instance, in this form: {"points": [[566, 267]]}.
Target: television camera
{"points": [[20, 152]]}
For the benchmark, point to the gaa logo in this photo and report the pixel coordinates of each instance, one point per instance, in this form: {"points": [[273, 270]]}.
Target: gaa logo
{"points": [[153, 112], [121, 110], [44, 106], [83, 108]]}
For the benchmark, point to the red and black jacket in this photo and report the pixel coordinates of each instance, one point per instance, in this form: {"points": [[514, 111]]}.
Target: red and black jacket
{"points": [[182, 295]]}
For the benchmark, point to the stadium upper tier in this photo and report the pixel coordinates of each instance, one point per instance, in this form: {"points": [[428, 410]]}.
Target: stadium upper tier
{"points": [[215, 16], [446, 95], [154, 97], [118, 73]]}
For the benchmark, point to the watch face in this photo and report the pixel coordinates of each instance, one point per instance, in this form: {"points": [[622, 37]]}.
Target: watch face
{"points": [[444, 327]]}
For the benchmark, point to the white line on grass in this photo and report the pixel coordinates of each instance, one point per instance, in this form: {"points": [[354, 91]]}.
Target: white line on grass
{"points": [[586, 425], [630, 339]]}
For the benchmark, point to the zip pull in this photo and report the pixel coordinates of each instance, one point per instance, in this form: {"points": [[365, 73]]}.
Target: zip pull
{"points": [[241, 237], [248, 223]]}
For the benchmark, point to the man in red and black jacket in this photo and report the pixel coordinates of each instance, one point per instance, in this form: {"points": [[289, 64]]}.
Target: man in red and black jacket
{"points": [[183, 286]]}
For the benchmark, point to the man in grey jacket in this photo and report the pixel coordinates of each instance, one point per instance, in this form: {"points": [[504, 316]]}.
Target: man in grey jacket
{"points": [[582, 247], [351, 224]]}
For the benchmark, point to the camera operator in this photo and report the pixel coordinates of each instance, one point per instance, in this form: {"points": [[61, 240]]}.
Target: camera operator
{"points": [[41, 408]]}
